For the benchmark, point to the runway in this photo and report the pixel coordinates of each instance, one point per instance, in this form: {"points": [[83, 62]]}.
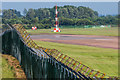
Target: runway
{"points": [[88, 40]]}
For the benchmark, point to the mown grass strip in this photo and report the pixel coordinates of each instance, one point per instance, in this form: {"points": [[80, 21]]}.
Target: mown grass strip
{"points": [[80, 31], [101, 59]]}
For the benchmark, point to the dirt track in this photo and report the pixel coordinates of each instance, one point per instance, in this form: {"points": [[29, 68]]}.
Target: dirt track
{"points": [[89, 40]]}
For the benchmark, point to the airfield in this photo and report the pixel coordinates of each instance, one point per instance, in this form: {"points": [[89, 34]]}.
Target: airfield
{"points": [[96, 48], [88, 40]]}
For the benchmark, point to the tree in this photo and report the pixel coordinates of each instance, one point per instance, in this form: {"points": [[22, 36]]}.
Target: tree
{"points": [[68, 15], [35, 20], [47, 26], [66, 21], [84, 22], [25, 12], [25, 21], [11, 14], [30, 14]]}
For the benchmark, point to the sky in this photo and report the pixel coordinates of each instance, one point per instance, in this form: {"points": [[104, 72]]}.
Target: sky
{"points": [[103, 8], [59, 0]]}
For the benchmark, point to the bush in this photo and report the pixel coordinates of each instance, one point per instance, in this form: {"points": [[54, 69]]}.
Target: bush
{"points": [[47, 26]]}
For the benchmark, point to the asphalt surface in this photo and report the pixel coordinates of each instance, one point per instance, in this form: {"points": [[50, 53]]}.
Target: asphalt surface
{"points": [[88, 40], [65, 37]]}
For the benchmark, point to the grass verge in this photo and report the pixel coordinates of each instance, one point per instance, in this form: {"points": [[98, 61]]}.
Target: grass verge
{"points": [[101, 59], [6, 70], [11, 68], [80, 31]]}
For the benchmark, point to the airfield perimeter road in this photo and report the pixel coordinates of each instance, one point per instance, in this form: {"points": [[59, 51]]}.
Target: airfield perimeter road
{"points": [[88, 40]]}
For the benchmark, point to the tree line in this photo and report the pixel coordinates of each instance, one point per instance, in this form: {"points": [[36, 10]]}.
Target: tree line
{"points": [[45, 17]]}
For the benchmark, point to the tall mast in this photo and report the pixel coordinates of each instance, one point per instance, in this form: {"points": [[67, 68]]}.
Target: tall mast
{"points": [[56, 18], [57, 29]]}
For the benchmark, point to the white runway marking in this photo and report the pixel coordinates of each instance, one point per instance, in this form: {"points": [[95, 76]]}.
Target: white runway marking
{"points": [[103, 39]]}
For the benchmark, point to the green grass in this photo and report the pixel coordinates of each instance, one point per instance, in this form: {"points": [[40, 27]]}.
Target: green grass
{"points": [[6, 70], [102, 59], [80, 31]]}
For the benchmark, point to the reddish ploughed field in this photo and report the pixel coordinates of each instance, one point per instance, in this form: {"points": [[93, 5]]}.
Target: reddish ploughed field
{"points": [[88, 40]]}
